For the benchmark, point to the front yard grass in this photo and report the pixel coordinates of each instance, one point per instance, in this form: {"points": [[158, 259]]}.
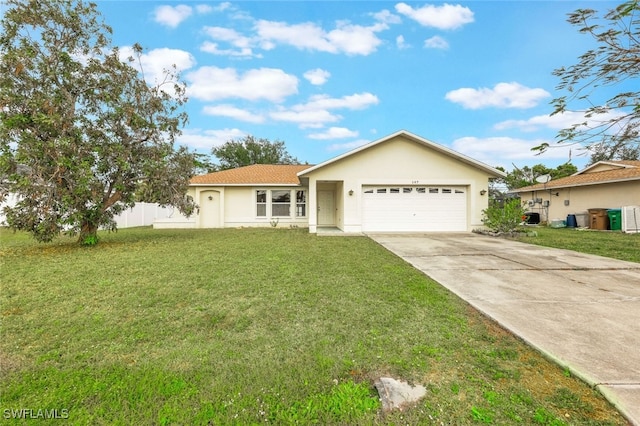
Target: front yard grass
{"points": [[614, 244], [257, 326]]}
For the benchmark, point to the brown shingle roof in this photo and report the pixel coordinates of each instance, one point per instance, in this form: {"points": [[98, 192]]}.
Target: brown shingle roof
{"points": [[629, 170], [256, 174]]}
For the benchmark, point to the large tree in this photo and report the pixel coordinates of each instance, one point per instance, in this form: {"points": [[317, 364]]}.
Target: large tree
{"points": [[611, 125], [249, 150], [82, 134]]}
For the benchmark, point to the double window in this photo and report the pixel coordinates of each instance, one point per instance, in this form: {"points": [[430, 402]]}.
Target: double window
{"points": [[278, 202]]}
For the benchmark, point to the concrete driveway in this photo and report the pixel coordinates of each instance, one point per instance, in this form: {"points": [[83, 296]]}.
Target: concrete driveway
{"points": [[580, 310]]}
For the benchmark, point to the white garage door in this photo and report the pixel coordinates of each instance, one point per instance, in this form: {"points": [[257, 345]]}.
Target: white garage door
{"points": [[414, 208]]}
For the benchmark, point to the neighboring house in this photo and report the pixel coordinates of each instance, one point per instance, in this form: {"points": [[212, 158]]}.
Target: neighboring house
{"points": [[400, 183], [605, 184]]}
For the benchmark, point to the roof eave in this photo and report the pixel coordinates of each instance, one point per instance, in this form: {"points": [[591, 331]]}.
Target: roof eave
{"points": [[549, 188], [598, 163], [245, 184]]}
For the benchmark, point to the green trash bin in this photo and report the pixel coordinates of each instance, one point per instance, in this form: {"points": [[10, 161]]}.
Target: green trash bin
{"points": [[615, 219]]}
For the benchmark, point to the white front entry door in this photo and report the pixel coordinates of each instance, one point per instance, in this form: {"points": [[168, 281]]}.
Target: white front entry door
{"points": [[326, 209]]}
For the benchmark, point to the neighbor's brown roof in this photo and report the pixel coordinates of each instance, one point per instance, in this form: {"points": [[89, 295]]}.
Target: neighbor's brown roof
{"points": [[630, 172], [256, 174]]}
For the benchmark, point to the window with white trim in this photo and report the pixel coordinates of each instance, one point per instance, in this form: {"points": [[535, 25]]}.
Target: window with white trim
{"points": [[280, 203], [261, 203], [301, 203]]}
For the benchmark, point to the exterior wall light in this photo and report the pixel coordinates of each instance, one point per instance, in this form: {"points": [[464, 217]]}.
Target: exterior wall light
{"points": [[210, 197], [484, 191], [351, 192]]}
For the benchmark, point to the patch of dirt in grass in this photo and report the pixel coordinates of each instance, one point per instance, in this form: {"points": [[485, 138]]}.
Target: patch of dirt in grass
{"points": [[9, 364]]}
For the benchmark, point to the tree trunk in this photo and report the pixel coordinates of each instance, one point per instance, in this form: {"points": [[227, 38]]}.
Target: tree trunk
{"points": [[88, 234]]}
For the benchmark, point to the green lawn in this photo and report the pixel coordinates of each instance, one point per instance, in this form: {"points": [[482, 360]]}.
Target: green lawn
{"points": [[257, 326], [613, 244]]}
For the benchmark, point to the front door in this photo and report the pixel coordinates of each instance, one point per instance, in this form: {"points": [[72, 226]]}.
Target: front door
{"points": [[326, 209], [209, 209]]}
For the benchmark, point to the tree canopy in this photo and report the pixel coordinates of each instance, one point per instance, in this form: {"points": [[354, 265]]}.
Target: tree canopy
{"points": [[82, 134], [250, 150], [525, 176], [611, 127]]}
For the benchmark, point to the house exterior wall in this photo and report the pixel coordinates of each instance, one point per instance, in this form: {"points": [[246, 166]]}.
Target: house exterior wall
{"points": [[578, 200], [238, 207], [398, 161]]}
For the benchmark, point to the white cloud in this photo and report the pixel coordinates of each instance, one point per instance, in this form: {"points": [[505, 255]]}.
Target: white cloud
{"points": [[213, 83], [556, 122], [501, 151], [334, 133], [356, 101], [213, 48], [305, 118], [355, 39], [347, 146], [156, 61], [231, 111], [242, 43], [317, 77], [303, 36], [345, 38], [172, 16], [400, 43], [222, 6], [207, 139], [229, 35], [445, 17], [503, 95], [204, 9], [386, 17], [436, 42], [316, 112]]}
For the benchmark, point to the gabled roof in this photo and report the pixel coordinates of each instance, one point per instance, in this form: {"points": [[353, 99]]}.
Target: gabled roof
{"points": [[256, 174], [612, 172], [436, 147]]}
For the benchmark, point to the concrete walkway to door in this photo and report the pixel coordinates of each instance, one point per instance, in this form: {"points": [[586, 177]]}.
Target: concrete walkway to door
{"points": [[580, 310]]}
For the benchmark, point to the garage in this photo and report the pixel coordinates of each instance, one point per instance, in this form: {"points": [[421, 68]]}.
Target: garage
{"points": [[414, 209]]}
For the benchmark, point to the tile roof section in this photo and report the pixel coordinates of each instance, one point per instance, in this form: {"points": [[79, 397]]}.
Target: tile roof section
{"points": [[256, 174], [630, 172]]}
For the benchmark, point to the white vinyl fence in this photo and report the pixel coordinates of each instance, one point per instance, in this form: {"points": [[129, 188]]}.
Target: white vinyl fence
{"points": [[142, 214], [631, 219]]}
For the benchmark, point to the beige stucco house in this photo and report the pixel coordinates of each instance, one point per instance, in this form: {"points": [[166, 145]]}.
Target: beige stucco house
{"points": [[400, 183], [605, 185]]}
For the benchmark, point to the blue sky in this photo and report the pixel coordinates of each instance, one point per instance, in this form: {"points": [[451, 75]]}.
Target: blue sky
{"points": [[326, 77]]}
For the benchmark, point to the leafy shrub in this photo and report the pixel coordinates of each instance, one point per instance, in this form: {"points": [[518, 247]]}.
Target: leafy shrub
{"points": [[503, 218]]}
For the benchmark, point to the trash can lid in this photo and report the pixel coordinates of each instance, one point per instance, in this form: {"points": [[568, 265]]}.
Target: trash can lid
{"points": [[614, 210]]}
